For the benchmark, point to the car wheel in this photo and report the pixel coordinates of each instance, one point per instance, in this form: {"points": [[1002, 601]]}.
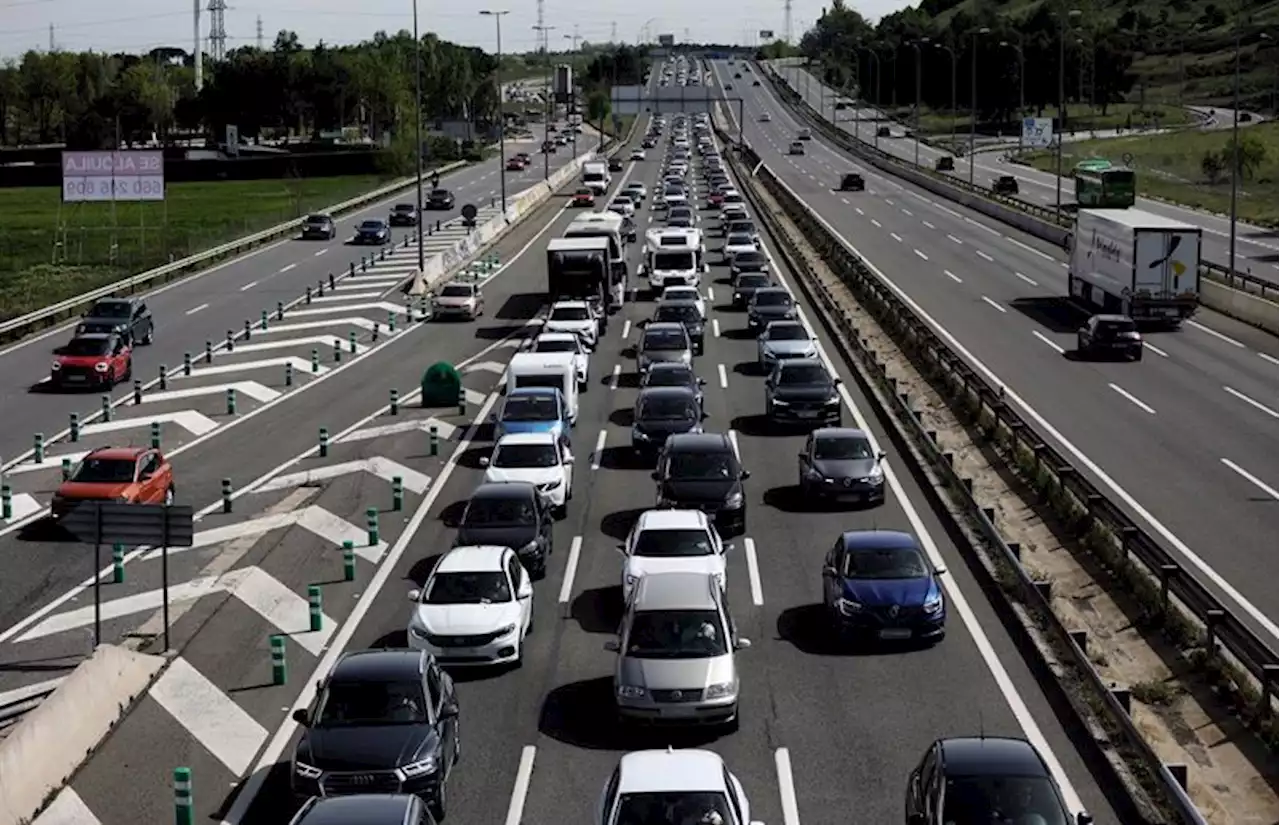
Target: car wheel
{"points": [[1137, 356], [561, 512], [111, 380], [732, 725], [150, 337], [128, 370], [438, 803], [169, 496]]}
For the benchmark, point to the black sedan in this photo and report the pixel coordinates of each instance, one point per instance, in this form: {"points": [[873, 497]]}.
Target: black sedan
{"points": [[440, 199], [801, 391], [318, 228], [403, 214], [372, 233]]}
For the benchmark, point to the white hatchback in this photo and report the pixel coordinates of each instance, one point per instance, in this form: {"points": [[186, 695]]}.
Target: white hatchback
{"points": [[575, 317], [694, 779], [542, 459], [672, 541]]}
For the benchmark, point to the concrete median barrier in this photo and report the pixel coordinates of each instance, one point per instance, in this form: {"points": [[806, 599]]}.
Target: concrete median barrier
{"points": [[1242, 306]]}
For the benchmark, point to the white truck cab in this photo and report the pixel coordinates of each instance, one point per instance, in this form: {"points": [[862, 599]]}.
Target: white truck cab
{"points": [[674, 257]]}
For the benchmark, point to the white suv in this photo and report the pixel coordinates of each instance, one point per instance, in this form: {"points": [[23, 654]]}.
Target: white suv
{"points": [[670, 779], [542, 459], [672, 541], [575, 317]]}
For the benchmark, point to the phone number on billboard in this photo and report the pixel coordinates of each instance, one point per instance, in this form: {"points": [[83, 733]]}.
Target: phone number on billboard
{"points": [[106, 189]]}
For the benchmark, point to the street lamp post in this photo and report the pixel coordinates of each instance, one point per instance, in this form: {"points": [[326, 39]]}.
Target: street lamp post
{"points": [[548, 96], [570, 106], [875, 81], [497, 15], [952, 54], [1022, 89], [973, 101], [1062, 102], [916, 45], [417, 120]]}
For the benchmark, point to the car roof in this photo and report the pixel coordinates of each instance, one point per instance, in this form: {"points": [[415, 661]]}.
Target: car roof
{"points": [[94, 336], [787, 322], [117, 453], [991, 756], [519, 391], [667, 392], [379, 665], [675, 591], [672, 520], [664, 326], [793, 363], [699, 443], [555, 336], [527, 438], [671, 770], [678, 302], [343, 810], [461, 283], [1113, 318], [671, 366], [471, 558], [878, 540], [833, 433], [113, 301], [504, 490], [571, 305]]}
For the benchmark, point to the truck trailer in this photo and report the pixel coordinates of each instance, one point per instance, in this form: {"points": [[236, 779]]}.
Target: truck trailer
{"points": [[1135, 263]]}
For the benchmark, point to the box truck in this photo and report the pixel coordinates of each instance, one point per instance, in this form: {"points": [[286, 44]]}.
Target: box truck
{"points": [[1135, 263]]}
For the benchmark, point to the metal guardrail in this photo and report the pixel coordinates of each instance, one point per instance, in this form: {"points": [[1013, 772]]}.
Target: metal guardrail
{"points": [[24, 325], [1104, 529], [1228, 276]]}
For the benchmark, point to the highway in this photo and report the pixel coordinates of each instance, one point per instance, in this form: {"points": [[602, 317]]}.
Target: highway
{"points": [[203, 307], [1257, 247], [834, 731], [1186, 439]]}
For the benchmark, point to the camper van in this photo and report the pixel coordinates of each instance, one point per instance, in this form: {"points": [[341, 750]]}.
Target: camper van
{"points": [[596, 177], [555, 370], [673, 257]]}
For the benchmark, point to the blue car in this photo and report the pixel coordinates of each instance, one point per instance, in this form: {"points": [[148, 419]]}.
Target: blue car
{"points": [[533, 410], [879, 584]]}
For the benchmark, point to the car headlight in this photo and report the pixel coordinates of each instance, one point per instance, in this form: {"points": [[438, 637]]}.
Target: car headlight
{"points": [[734, 500], [933, 604], [720, 690], [777, 402], [848, 606], [101, 366], [418, 632], [420, 768], [876, 476], [305, 771], [631, 692], [811, 472], [638, 435], [548, 486], [55, 366], [685, 357], [506, 630]]}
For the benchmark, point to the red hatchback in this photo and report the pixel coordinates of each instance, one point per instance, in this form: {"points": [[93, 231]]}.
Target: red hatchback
{"points": [[584, 197], [133, 475], [93, 360]]}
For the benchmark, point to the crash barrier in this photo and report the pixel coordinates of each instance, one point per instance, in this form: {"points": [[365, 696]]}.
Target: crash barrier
{"points": [[1038, 221], [1198, 622]]}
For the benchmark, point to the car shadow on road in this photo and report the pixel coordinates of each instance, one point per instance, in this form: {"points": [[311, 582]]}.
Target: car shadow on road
{"points": [[623, 417], [758, 426], [521, 306], [1056, 314], [791, 499], [808, 629], [583, 714], [598, 610], [618, 525]]}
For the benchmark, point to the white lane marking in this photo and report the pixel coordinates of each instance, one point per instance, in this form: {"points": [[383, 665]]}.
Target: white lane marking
{"points": [[626, 329], [1156, 350], [711, 294], [715, 327], [570, 570], [318, 253], [952, 276], [67, 808], [845, 201], [982, 226], [1022, 277], [753, 572], [876, 223], [954, 238], [895, 236], [953, 213], [194, 310], [724, 377], [984, 256], [886, 200], [248, 286], [994, 304], [1256, 404], [908, 213], [733, 439], [1197, 325], [520, 790], [858, 209], [286, 268], [1030, 249], [786, 787], [923, 256], [1270, 358], [1251, 478], [1133, 399], [216, 722], [928, 225], [595, 456], [613, 379], [1049, 341]]}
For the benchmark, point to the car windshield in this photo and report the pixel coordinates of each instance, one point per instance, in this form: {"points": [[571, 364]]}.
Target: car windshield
{"points": [[981, 800], [742, 226], [456, 291], [772, 299], [440, 194], [661, 408], [885, 563], [673, 261], [530, 408], [739, 239], [662, 339], [87, 346], [359, 703], [498, 512], [669, 544], [471, 587], [676, 314], [680, 222], [110, 309], [752, 281], [681, 212], [676, 634], [842, 448], [570, 314], [680, 294], [674, 192], [555, 346], [803, 375], [517, 456], [404, 207], [371, 225], [105, 471], [317, 219], [702, 465], [680, 376], [786, 332]]}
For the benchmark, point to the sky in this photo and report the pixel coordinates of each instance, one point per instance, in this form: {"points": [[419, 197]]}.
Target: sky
{"points": [[140, 25]]}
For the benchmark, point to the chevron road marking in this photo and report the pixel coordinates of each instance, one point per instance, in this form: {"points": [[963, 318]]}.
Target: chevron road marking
{"points": [[443, 428], [24, 504], [51, 462], [67, 808], [354, 320], [371, 283], [253, 389], [300, 365], [486, 366], [125, 606], [350, 296], [383, 468], [194, 422], [474, 396], [209, 715], [318, 520], [321, 341], [385, 306]]}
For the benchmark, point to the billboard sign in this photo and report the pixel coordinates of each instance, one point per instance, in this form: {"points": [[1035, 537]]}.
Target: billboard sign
{"points": [[666, 41], [766, 34], [130, 175], [1037, 131]]}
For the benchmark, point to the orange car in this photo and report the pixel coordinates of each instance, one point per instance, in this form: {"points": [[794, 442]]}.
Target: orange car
{"points": [[134, 475]]}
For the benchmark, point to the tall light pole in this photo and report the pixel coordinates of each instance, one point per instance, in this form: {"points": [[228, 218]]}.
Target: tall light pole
{"points": [[1062, 99], [1022, 88], [915, 44], [875, 78], [570, 102], [952, 54], [497, 15], [548, 95], [417, 122], [973, 101]]}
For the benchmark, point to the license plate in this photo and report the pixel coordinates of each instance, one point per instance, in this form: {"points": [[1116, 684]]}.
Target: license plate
{"points": [[895, 633], [74, 378], [807, 413]]}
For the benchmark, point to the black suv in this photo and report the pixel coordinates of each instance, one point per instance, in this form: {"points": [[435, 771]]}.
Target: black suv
{"points": [[661, 412], [510, 514], [1005, 185], [801, 391], [747, 284], [383, 721], [701, 471], [686, 313], [368, 809], [1109, 336], [852, 182], [403, 214], [123, 316], [946, 163], [440, 199]]}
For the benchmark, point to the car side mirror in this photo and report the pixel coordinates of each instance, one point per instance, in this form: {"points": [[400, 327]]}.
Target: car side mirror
{"points": [[702, 382], [449, 710], [302, 717], [146, 476], [525, 591], [1084, 819], [741, 644], [60, 351], [493, 416], [621, 548], [938, 571], [1084, 329], [802, 456], [654, 475], [569, 459], [837, 381], [613, 646], [746, 474], [641, 269], [727, 546], [705, 415], [484, 461], [881, 456]]}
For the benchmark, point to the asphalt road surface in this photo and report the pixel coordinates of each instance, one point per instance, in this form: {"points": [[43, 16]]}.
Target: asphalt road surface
{"points": [[1188, 435], [1257, 247], [835, 731]]}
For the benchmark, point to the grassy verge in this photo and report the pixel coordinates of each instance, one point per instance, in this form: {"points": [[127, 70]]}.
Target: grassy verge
{"points": [[1168, 167], [1126, 115], [50, 251]]}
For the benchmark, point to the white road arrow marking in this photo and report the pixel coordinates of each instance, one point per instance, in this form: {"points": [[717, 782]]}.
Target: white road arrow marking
{"points": [[383, 468], [315, 519], [474, 397], [193, 422], [300, 365], [253, 389], [385, 306], [444, 428], [322, 342], [486, 366]]}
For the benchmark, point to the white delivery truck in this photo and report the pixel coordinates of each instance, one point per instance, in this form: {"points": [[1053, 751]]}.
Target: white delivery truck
{"points": [[595, 176], [1135, 263]]}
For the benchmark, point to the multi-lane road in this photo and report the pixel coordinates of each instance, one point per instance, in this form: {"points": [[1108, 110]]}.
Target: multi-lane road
{"points": [[1256, 247], [1185, 439], [824, 732]]}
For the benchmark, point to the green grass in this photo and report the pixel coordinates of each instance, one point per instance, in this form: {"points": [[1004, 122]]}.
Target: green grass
{"points": [[1168, 167], [50, 251], [1078, 117]]}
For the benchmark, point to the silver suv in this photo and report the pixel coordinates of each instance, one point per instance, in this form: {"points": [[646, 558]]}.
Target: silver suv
{"points": [[675, 652], [663, 342]]}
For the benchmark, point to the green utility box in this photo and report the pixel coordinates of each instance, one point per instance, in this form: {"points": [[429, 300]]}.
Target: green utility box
{"points": [[441, 384]]}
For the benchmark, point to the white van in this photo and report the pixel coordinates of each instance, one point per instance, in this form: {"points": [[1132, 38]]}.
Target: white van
{"points": [[546, 369], [673, 257], [595, 176]]}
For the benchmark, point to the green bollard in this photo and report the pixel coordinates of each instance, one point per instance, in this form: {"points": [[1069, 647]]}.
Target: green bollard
{"points": [[37, 447], [208, 352], [351, 270], [364, 264], [395, 401], [433, 436], [391, 322], [231, 401], [279, 666], [74, 435], [186, 363], [117, 563], [6, 502], [231, 341], [397, 493], [262, 323], [226, 495], [324, 442], [337, 350], [155, 435], [321, 285], [332, 283], [248, 329], [137, 391], [106, 408], [315, 360], [376, 326], [462, 401], [279, 310], [313, 600], [66, 469], [164, 376], [288, 373], [351, 341], [371, 523], [348, 561], [308, 294], [182, 801]]}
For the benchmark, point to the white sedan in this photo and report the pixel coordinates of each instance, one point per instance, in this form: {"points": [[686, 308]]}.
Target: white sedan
{"points": [[738, 242], [672, 541], [542, 459], [685, 293], [671, 777], [566, 342], [638, 190], [479, 596], [574, 317], [637, 154]]}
